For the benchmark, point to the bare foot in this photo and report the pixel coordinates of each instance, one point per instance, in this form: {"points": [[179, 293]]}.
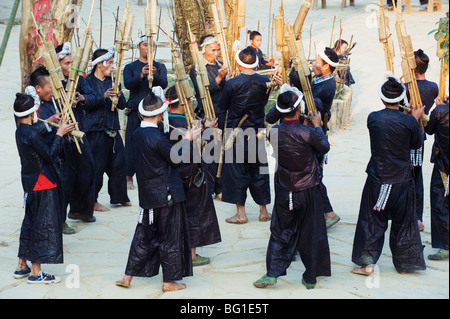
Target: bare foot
{"points": [[421, 225], [172, 286], [237, 220], [366, 271], [100, 208], [130, 185], [126, 204], [264, 215], [125, 282]]}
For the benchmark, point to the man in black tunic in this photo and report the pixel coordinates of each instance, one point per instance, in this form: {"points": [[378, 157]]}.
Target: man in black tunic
{"points": [[438, 126], [135, 79], [198, 185], [297, 219], [162, 235], [78, 169], [323, 88], [217, 75], [246, 94], [389, 190], [102, 129]]}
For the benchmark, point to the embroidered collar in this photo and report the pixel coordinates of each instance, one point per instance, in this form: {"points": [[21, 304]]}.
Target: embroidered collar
{"points": [[323, 79]]}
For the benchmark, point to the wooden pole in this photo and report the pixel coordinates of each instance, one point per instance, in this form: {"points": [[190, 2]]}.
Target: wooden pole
{"points": [[8, 30]]}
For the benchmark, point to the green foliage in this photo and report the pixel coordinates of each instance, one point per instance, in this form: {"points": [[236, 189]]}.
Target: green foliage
{"points": [[443, 31]]}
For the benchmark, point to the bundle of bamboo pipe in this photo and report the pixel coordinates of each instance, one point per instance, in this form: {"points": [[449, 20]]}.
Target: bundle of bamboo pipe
{"points": [[408, 63], [385, 37], [151, 29], [219, 33], [182, 86], [123, 42], [202, 76], [299, 62], [444, 68]]}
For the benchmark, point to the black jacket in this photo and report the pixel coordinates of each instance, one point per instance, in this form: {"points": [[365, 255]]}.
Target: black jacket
{"points": [[438, 125], [139, 88], [392, 136], [157, 175], [298, 149], [323, 93], [79, 111], [215, 90], [99, 116], [245, 94], [36, 155]]}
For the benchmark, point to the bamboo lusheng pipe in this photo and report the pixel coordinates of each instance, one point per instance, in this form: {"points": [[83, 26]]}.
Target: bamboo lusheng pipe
{"points": [[332, 31], [408, 63], [385, 37], [202, 76], [182, 86], [220, 36], [444, 68], [123, 38], [53, 67], [151, 29], [297, 55], [74, 133], [300, 20], [80, 60]]}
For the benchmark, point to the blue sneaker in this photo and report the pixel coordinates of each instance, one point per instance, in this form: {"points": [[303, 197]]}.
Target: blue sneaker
{"points": [[43, 278], [20, 273]]}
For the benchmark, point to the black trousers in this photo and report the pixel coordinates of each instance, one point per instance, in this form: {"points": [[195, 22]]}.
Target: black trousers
{"points": [[201, 213], [439, 211], [41, 238], [109, 158], [418, 183], [302, 229], [164, 243], [242, 175], [133, 122], [405, 241], [78, 172]]}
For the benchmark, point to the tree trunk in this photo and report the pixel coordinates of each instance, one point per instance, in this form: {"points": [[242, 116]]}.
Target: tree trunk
{"points": [[56, 21], [198, 13]]}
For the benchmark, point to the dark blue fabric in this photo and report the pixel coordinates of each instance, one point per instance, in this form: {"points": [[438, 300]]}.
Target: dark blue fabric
{"points": [[392, 136]]}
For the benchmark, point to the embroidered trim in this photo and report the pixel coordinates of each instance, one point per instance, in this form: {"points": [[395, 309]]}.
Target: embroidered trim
{"points": [[385, 191]]}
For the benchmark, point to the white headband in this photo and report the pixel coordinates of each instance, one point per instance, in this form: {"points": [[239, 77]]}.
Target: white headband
{"points": [[141, 39], [208, 41], [237, 47], [30, 90], [27, 112], [402, 96], [286, 88], [65, 51], [159, 92], [321, 50], [145, 113], [105, 57]]}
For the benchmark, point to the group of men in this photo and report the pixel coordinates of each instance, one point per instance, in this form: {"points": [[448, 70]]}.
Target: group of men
{"points": [[176, 200]]}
